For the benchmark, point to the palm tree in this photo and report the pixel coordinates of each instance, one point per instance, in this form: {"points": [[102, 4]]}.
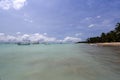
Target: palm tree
{"points": [[117, 30], [112, 36]]}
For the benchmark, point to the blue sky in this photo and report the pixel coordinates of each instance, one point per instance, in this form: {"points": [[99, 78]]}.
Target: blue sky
{"points": [[59, 18]]}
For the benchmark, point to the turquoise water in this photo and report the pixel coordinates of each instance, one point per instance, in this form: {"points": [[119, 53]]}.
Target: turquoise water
{"points": [[59, 62]]}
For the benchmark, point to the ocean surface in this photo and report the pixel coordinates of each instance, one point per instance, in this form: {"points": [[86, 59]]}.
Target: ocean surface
{"points": [[59, 62]]}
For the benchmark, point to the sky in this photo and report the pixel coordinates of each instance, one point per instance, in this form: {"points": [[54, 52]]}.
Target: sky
{"points": [[57, 20]]}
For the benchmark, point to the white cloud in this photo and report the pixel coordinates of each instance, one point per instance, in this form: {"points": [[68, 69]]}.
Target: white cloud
{"points": [[5, 4], [106, 22], [38, 38], [25, 37], [28, 20], [50, 39], [15, 4], [91, 18], [71, 39], [2, 34], [91, 25], [35, 38], [18, 33], [44, 33], [11, 38], [98, 17], [88, 18], [78, 34]]}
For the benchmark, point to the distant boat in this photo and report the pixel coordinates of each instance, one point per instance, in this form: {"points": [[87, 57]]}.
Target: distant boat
{"points": [[34, 42], [23, 43]]}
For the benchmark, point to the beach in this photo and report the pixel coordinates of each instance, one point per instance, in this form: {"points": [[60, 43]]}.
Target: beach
{"points": [[108, 44]]}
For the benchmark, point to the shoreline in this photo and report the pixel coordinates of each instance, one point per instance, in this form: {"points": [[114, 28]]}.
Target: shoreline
{"points": [[107, 44]]}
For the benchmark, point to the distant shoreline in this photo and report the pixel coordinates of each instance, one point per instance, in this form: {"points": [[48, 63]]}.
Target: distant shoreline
{"points": [[106, 44]]}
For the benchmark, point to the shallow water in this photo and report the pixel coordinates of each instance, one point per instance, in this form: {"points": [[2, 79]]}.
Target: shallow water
{"points": [[59, 62]]}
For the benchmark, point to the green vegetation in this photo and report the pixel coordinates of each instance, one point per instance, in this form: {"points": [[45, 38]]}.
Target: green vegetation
{"points": [[112, 36]]}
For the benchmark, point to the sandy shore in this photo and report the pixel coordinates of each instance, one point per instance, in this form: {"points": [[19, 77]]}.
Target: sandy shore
{"points": [[107, 44]]}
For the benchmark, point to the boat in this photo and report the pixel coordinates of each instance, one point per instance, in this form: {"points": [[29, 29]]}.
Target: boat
{"points": [[23, 43]]}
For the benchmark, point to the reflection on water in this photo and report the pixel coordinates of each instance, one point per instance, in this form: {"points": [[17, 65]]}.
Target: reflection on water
{"points": [[59, 62]]}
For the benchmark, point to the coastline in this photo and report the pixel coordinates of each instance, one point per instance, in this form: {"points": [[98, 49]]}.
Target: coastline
{"points": [[107, 44]]}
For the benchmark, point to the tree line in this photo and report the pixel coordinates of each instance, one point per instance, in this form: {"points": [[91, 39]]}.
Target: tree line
{"points": [[112, 36]]}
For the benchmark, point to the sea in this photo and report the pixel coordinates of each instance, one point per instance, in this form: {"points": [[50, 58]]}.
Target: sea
{"points": [[59, 62]]}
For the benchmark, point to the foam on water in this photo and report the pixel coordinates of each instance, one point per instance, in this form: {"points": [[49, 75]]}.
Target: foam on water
{"points": [[59, 62]]}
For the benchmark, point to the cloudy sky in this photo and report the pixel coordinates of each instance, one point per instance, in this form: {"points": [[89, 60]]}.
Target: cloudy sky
{"points": [[57, 19]]}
